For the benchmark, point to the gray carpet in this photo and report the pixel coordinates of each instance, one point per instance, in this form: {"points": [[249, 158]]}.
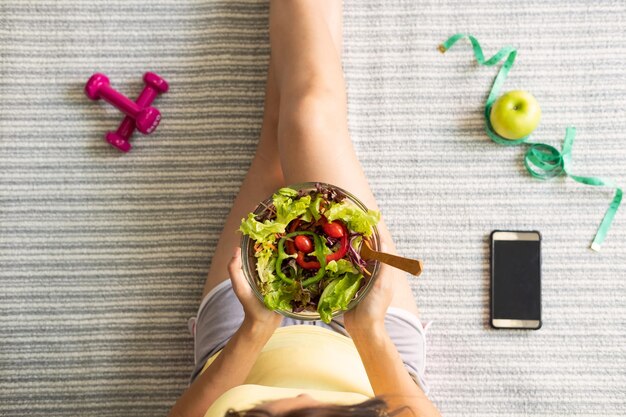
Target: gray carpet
{"points": [[103, 255]]}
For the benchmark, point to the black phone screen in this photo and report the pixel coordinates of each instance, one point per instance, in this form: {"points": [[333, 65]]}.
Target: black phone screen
{"points": [[516, 279]]}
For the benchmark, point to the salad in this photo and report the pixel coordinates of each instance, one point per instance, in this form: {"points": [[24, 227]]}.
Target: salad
{"points": [[306, 245]]}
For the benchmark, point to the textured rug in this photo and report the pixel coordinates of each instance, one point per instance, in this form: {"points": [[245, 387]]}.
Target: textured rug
{"points": [[103, 255]]}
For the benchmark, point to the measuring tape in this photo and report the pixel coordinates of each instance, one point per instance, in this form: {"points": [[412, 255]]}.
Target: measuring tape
{"points": [[541, 161]]}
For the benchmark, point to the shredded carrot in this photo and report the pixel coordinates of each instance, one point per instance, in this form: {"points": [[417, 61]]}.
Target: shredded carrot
{"points": [[367, 272]]}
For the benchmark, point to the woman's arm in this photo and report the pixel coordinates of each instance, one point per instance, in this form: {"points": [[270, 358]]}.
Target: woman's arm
{"points": [[387, 374], [232, 366], [229, 370], [385, 369]]}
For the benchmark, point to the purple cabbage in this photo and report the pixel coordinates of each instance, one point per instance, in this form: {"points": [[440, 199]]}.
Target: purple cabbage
{"points": [[330, 193], [353, 255]]}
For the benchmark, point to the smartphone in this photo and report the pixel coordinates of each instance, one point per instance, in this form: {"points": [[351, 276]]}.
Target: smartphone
{"points": [[515, 279]]}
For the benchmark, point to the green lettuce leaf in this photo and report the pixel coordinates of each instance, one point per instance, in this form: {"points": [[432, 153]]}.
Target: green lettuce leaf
{"points": [[276, 297], [261, 232], [280, 295], [266, 264], [306, 217], [287, 209], [340, 267], [357, 220], [337, 295], [289, 206], [315, 207], [287, 192]]}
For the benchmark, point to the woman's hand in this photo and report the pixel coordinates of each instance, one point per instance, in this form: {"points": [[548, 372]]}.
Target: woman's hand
{"points": [[256, 315], [369, 314], [233, 365]]}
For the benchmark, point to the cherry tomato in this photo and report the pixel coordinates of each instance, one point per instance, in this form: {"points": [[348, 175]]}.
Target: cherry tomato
{"points": [[303, 243], [333, 229]]}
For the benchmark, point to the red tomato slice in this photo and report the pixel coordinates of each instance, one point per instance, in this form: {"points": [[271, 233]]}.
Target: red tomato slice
{"points": [[303, 243], [333, 229]]}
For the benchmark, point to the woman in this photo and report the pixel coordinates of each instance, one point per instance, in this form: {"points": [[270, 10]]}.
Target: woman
{"points": [[267, 365]]}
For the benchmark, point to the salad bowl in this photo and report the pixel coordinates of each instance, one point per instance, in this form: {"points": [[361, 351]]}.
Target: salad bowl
{"points": [[304, 276]]}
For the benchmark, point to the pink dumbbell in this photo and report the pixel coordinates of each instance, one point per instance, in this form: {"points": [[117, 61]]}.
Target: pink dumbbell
{"points": [[155, 85], [146, 119]]}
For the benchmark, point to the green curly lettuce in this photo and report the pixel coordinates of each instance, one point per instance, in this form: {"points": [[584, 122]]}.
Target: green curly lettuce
{"points": [[337, 295], [289, 205], [277, 295], [340, 267], [265, 264], [261, 232], [357, 220]]}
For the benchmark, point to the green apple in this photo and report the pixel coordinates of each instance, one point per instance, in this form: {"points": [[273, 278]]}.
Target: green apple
{"points": [[515, 115]]}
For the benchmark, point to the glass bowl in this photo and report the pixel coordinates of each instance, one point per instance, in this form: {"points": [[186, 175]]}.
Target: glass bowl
{"points": [[249, 261]]}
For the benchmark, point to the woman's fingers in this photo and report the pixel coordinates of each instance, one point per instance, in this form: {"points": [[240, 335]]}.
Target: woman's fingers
{"points": [[383, 267], [236, 274], [254, 310], [385, 280]]}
